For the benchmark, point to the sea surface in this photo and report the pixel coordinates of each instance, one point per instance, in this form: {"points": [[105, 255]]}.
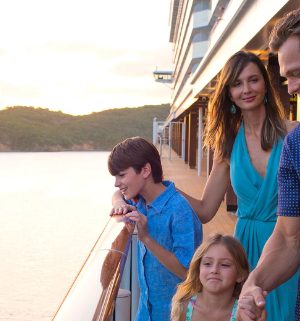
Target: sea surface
{"points": [[53, 206]]}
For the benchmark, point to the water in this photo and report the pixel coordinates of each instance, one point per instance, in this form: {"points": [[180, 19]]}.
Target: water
{"points": [[53, 207]]}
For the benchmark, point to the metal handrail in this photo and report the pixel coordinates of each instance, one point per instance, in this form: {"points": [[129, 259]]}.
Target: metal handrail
{"points": [[92, 295]]}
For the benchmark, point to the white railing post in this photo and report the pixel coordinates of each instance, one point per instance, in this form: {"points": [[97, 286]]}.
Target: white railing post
{"points": [[170, 139], [200, 139], [135, 289], [183, 141], [154, 134], [122, 307]]}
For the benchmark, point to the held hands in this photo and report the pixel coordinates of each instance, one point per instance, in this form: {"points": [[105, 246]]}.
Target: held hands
{"points": [[251, 304]]}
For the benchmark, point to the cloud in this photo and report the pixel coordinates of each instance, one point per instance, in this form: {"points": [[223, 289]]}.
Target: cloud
{"points": [[141, 63], [73, 54], [17, 91]]}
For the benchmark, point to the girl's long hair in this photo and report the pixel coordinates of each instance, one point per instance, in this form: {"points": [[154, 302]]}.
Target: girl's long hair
{"points": [[222, 125], [192, 284]]}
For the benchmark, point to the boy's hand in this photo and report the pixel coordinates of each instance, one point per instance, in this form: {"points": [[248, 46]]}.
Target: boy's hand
{"points": [[122, 209], [130, 227], [141, 223]]}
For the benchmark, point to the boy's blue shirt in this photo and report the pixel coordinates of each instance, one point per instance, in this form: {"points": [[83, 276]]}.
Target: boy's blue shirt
{"points": [[174, 225]]}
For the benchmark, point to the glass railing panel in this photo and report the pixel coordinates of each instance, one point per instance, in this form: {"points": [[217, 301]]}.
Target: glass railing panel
{"points": [[92, 295]]}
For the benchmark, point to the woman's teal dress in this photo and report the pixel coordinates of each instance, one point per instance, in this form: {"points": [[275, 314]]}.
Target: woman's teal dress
{"points": [[257, 204]]}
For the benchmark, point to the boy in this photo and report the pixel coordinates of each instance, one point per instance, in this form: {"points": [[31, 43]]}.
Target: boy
{"points": [[168, 229]]}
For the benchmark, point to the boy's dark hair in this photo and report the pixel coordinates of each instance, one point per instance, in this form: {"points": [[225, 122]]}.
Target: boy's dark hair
{"points": [[287, 26], [135, 152]]}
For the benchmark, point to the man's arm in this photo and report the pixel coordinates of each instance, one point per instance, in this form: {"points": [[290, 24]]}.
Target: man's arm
{"points": [[281, 254], [280, 259]]}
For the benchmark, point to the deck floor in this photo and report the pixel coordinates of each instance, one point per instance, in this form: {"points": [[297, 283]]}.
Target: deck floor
{"points": [[188, 180]]}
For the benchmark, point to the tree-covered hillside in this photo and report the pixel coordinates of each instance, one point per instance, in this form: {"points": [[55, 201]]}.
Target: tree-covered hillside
{"points": [[38, 129]]}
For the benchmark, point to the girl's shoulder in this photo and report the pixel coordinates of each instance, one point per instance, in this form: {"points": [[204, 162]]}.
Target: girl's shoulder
{"points": [[234, 311], [291, 124], [190, 307]]}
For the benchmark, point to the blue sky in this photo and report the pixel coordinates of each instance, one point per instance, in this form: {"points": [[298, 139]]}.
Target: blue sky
{"points": [[83, 56]]}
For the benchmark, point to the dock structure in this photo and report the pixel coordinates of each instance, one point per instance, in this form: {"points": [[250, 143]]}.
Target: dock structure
{"points": [[186, 179]]}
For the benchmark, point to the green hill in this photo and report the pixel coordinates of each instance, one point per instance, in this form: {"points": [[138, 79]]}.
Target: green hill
{"points": [[38, 129]]}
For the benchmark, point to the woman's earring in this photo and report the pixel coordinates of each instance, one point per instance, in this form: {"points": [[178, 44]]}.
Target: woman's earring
{"points": [[233, 109], [266, 99]]}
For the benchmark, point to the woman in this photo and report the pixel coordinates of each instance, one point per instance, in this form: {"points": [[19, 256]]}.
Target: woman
{"points": [[245, 129]]}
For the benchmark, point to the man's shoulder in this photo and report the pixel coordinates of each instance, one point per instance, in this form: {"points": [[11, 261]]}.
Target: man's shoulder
{"points": [[292, 143], [293, 135]]}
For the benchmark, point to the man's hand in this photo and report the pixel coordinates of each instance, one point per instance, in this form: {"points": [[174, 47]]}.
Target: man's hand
{"points": [[251, 304], [243, 315]]}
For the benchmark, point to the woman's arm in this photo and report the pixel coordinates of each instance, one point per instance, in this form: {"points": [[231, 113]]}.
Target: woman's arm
{"points": [[213, 193]]}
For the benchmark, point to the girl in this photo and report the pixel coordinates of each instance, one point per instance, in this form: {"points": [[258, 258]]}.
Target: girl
{"points": [[217, 272], [245, 129]]}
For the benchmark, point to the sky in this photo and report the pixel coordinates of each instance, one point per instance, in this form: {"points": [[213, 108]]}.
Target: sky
{"points": [[83, 56]]}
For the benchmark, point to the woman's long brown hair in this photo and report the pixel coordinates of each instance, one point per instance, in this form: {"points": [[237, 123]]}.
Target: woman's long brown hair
{"points": [[222, 125]]}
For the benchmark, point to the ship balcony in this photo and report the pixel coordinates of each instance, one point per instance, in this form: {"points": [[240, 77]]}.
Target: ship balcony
{"points": [[198, 49], [163, 76]]}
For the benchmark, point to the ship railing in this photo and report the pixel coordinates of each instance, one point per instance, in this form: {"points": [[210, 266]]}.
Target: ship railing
{"points": [[96, 290]]}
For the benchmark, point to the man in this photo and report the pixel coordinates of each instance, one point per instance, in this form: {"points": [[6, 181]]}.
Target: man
{"points": [[281, 255]]}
